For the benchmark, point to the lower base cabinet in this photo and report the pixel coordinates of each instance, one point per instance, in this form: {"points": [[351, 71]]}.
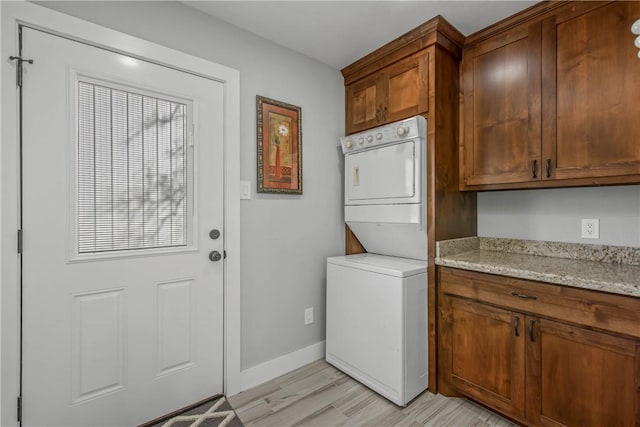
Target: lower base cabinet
{"points": [[504, 343], [485, 355], [583, 378]]}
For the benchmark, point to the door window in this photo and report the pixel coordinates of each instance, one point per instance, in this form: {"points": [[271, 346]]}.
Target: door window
{"points": [[132, 185]]}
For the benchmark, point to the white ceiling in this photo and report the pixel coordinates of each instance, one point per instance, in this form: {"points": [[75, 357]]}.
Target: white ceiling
{"points": [[338, 33]]}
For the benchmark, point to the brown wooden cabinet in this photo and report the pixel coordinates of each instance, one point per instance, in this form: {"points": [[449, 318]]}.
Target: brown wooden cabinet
{"points": [[393, 93], [582, 377], [363, 101], [501, 102], [596, 94], [542, 354], [486, 356], [550, 98]]}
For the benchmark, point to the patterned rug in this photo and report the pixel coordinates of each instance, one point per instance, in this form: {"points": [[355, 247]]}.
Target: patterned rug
{"points": [[215, 413]]}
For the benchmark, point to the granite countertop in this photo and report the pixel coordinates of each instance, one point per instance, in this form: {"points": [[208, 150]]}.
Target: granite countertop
{"points": [[613, 269]]}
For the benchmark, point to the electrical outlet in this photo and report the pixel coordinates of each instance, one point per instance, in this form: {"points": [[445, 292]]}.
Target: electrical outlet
{"points": [[308, 316], [590, 228]]}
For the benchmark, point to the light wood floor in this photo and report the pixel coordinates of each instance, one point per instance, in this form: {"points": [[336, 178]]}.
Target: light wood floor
{"points": [[319, 395]]}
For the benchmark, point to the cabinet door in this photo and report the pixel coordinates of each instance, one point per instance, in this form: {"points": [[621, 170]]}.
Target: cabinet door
{"points": [[578, 377], [501, 83], [483, 347], [597, 93], [405, 85], [363, 104]]}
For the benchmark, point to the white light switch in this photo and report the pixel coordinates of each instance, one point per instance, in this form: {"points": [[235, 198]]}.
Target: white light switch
{"points": [[245, 190]]}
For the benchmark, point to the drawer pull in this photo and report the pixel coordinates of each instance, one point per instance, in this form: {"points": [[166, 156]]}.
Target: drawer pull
{"points": [[523, 296], [531, 322], [517, 323]]}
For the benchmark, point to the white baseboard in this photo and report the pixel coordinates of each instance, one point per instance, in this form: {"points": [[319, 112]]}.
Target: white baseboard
{"points": [[271, 369]]}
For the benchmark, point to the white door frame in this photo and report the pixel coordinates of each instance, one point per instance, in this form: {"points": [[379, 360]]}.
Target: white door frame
{"points": [[15, 13]]}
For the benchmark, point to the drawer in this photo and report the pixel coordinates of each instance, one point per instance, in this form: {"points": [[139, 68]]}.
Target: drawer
{"points": [[608, 312]]}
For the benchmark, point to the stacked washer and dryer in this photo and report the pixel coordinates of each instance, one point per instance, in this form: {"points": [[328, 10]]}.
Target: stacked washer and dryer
{"points": [[377, 301]]}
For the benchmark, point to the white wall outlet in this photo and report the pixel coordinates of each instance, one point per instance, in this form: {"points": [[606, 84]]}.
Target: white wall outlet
{"points": [[590, 228], [308, 316]]}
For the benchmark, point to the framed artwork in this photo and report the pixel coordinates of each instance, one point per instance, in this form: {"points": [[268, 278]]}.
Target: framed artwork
{"points": [[279, 147]]}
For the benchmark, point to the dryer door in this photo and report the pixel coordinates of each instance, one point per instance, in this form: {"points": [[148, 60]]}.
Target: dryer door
{"points": [[388, 174]]}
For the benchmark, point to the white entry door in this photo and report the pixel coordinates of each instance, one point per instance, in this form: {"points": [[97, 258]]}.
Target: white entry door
{"points": [[122, 184]]}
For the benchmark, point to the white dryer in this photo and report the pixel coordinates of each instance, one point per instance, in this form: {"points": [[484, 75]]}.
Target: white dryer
{"points": [[385, 188], [377, 302]]}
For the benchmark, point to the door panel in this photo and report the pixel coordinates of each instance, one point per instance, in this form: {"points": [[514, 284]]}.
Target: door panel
{"points": [[363, 101], [383, 173], [407, 88], [485, 350], [502, 109], [118, 335], [597, 91], [97, 344], [580, 376]]}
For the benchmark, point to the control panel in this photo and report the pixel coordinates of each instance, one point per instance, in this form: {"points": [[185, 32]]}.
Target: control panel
{"points": [[414, 127]]}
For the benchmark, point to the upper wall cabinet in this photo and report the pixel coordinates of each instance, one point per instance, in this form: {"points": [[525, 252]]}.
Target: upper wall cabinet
{"points": [[501, 128], [393, 93], [549, 98], [597, 92], [393, 83]]}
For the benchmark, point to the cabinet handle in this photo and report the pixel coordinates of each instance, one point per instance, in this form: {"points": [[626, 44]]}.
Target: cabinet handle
{"points": [[523, 296], [531, 322], [548, 166], [515, 327], [378, 115], [534, 169]]}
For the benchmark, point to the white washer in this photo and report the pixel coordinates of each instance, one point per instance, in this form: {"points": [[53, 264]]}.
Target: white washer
{"points": [[377, 322]]}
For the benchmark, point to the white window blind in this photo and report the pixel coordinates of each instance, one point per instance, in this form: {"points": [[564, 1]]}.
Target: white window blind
{"points": [[132, 170]]}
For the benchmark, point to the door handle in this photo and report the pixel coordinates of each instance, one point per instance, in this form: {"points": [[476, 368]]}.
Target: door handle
{"points": [[531, 323], [548, 166], [215, 256], [523, 296], [517, 323], [214, 234]]}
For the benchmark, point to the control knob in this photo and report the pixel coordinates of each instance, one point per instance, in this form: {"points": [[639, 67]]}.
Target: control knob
{"points": [[348, 144], [369, 138], [402, 130], [361, 141], [379, 136]]}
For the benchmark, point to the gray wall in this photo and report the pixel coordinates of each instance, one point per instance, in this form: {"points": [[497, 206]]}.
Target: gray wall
{"points": [[285, 239], [555, 214]]}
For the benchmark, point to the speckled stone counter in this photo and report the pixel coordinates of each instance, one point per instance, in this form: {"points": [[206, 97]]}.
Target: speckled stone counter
{"points": [[614, 269]]}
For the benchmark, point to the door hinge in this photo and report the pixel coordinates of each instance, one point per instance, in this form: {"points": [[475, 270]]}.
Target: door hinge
{"points": [[19, 409], [19, 60], [20, 241]]}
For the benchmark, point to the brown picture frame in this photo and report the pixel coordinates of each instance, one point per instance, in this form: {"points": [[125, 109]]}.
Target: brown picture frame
{"points": [[279, 140]]}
